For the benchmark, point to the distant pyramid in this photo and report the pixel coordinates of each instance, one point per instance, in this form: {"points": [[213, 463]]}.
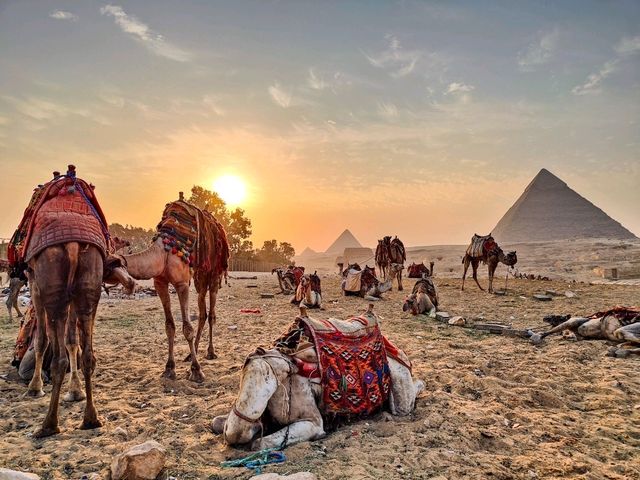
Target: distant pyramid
{"points": [[307, 252], [549, 210], [345, 240]]}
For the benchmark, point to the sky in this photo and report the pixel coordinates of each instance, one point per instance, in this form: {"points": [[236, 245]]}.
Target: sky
{"points": [[421, 119]]}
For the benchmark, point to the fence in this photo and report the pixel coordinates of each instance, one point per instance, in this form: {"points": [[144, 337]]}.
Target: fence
{"points": [[240, 265]]}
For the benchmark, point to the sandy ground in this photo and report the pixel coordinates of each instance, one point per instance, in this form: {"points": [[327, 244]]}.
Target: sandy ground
{"points": [[494, 407]]}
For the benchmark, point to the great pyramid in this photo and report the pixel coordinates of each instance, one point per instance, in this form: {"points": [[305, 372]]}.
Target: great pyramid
{"points": [[549, 210], [345, 240]]}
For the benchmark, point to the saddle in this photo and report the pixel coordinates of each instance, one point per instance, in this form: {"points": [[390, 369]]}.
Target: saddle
{"points": [[480, 246], [416, 270], [60, 211]]}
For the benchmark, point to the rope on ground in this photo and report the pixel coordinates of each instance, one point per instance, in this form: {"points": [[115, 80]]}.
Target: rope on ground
{"points": [[256, 460]]}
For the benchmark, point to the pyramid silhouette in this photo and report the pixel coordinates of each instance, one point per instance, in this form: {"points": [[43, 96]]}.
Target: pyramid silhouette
{"points": [[549, 210], [345, 240], [308, 252]]}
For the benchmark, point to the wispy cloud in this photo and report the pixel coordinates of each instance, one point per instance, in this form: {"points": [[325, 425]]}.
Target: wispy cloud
{"points": [[141, 32], [43, 110], [459, 87], [594, 80], [398, 61], [212, 102], [387, 110], [319, 81], [280, 96], [628, 46], [62, 15], [539, 51]]}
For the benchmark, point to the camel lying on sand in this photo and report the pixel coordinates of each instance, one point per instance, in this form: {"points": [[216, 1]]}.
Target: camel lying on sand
{"points": [[278, 389], [363, 283], [620, 324], [309, 291], [486, 250], [423, 299], [288, 278]]}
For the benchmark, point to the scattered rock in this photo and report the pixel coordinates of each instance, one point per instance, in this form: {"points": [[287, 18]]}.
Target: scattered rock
{"points": [[569, 294], [569, 335], [442, 316], [293, 476], [536, 339], [552, 293], [232, 327], [142, 462], [121, 432], [500, 292], [7, 474], [457, 320], [542, 298], [267, 295]]}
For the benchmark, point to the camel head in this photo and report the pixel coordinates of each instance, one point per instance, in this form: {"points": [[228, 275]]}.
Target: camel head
{"points": [[411, 304], [119, 243], [384, 286], [511, 258]]}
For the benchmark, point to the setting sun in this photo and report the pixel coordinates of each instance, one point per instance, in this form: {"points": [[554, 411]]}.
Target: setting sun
{"points": [[231, 189]]}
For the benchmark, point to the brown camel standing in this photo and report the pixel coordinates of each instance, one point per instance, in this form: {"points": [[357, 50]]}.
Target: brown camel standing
{"points": [[485, 249], [167, 264], [388, 253]]}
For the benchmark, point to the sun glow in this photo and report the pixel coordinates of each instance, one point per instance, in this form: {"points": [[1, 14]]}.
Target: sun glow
{"points": [[231, 189]]}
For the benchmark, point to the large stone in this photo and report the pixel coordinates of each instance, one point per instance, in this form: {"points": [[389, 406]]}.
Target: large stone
{"points": [[542, 298], [457, 320], [293, 476], [442, 316], [6, 474], [142, 462]]}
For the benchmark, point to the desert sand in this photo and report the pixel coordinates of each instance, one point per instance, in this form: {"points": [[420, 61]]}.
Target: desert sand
{"points": [[494, 406]]}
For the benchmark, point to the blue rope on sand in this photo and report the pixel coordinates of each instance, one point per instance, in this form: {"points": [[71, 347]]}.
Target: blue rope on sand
{"points": [[257, 460]]}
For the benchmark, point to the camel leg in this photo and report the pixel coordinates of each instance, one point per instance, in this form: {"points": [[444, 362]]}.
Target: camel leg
{"points": [[41, 343], [571, 324], [86, 322], [492, 271], [213, 297], [474, 265], [162, 287], [466, 267], [75, 393], [202, 318], [182, 289], [400, 281], [296, 432], [56, 323]]}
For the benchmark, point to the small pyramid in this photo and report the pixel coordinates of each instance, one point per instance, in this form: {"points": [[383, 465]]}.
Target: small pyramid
{"points": [[345, 240], [308, 252], [549, 210]]}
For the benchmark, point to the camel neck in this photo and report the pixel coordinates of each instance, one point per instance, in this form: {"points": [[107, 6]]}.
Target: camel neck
{"points": [[148, 264]]}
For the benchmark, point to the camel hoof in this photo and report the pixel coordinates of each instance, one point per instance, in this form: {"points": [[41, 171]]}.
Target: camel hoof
{"points": [[74, 396], [90, 424], [211, 355], [196, 376], [35, 393], [170, 374], [217, 426], [46, 432], [187, 358]]}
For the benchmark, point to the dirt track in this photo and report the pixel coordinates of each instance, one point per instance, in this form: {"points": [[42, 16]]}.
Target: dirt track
{"points": [[495, 407]]}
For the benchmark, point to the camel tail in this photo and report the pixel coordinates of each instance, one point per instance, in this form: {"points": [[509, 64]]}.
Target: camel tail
{"points": [[73, 251]]}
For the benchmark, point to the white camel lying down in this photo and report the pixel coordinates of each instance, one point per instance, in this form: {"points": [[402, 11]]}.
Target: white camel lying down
{"points": [[270, 383]]}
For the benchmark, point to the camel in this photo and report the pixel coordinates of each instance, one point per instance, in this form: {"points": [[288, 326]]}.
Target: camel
{"points": [[620, 325], [15, 285], [64, 240], [278, 387], [485, 249], [389, 252], [416, 270], [168, 260], [423, 299], [309, 291], [394, 271], [288, 278], [363, 283]]}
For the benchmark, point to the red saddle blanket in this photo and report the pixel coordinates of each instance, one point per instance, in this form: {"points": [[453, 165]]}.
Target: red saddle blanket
{"points": [[354, 372], [63, 210]]}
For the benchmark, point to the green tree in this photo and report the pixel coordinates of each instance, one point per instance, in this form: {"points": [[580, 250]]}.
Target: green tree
{"points": [[275, 252]]}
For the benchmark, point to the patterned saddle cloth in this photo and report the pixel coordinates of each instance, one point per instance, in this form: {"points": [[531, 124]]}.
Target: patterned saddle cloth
{"points": [[60, 211], [349, 357], [480, 245]]}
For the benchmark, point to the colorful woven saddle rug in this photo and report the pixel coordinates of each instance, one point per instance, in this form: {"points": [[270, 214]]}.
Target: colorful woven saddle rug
{"points": [[481, 245], [625, 315], [348, 357], [195, 236], [60, 211]]}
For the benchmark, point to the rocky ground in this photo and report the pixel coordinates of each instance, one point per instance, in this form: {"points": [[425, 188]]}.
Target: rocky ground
{"points": [[494, 406]]}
